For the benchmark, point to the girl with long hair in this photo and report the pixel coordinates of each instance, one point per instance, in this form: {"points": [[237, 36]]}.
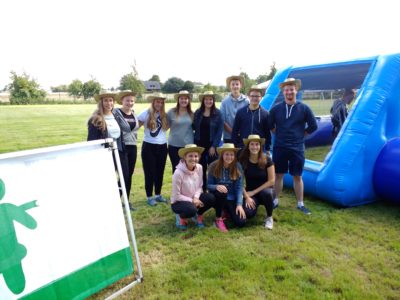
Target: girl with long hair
{"points": [[225, 178], [208, 126], [154, 147], [259, 173], [180, 120]]}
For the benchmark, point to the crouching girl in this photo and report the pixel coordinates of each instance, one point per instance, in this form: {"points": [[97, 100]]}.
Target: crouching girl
{"points": [[187, 199], [225, 180]]}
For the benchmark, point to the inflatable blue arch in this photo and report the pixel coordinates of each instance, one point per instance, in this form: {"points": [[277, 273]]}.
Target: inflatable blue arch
{"points": [[363, 164]]}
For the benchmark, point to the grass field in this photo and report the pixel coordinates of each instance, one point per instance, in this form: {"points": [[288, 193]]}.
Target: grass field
{"points": [[335, 253]]}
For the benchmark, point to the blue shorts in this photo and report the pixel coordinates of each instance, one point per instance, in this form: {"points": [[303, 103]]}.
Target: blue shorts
{"points": [[288, 160]]}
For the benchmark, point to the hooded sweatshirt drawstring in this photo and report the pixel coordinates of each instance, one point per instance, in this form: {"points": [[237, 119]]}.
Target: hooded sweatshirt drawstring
{"points": [[289, 111]]}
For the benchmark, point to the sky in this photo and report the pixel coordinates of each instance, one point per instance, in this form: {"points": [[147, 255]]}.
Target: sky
{"points": [[57, 41]]}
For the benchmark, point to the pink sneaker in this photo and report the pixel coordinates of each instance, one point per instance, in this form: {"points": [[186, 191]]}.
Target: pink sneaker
{"points": [[219, 223]]}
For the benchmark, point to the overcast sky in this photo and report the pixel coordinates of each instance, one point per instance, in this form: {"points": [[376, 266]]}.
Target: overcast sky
{"points": [[206, 41]]}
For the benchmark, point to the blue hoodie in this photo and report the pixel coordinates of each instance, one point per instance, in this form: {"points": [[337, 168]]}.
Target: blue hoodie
{"points": [[248, 122], [290, 124], [229, 108]]}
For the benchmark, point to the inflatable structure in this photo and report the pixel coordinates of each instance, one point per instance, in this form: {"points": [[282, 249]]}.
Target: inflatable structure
{"points": [[363, 164]]}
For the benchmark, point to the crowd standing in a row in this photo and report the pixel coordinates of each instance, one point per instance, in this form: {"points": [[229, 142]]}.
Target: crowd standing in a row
{"points": [[234, 178]]}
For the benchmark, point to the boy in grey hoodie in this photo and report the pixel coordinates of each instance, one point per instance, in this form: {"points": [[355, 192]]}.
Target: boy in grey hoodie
{"points": [[231, 104]]}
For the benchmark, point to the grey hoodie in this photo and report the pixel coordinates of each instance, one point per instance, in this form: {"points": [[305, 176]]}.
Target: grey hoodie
{"points": [[229, 107]]}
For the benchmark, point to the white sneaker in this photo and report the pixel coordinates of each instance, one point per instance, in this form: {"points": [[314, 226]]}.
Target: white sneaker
{"points": [[269, 223], [275, 203]]}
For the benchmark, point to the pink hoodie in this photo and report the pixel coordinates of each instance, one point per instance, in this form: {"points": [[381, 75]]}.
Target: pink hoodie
{"points": [[186, 184]]}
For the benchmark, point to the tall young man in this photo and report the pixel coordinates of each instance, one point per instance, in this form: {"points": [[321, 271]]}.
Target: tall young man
{"points": [[288, 121], [231, 104]]}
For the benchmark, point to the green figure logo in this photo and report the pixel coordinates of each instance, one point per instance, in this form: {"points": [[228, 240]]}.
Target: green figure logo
{"points": [[11, 252]]}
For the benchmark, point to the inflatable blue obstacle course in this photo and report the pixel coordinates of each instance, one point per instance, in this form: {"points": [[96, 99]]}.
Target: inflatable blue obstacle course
{"points": [[363, 164]]}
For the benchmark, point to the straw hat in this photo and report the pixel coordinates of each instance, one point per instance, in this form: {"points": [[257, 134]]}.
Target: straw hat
{"points": [[257, 89], [254, 137], [153, 96], [291, 81], [208, 93], [123, 94], [104, 94], [190, 148], [234, 77], [227, 147], [183, 93]]}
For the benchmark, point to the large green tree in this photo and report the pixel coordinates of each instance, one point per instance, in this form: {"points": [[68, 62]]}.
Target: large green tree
{"points": [[269, 76], [91, 88], [155, 78], [75, 88], [131, 82], [173, 85], [188, 86], [247, 82], [24, 90]]}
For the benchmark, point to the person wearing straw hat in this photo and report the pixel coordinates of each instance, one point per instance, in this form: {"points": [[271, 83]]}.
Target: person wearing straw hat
{"points": [[252, 119], [259, 173], [207, 126], [187, 198], [154, 147], [129, 125], [180, 120], [231, 104], [225, 181], [291, 121], [104, 124]]}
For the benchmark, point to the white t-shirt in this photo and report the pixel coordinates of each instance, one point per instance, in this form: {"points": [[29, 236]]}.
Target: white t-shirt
{"points": [[157, 136], [113, 129]]}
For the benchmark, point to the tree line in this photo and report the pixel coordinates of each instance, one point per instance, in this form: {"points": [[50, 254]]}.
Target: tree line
{"points": [[24, 89]]}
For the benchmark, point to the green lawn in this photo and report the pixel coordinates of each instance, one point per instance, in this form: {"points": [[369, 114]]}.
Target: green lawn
{"points": [[335, 253]]}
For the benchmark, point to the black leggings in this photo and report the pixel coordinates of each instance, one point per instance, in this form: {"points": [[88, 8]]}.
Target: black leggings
{"points": [[186, 209], [264, 197], [205, 161], [223, 203], [130, 154], [173, 156], [154, 157]]}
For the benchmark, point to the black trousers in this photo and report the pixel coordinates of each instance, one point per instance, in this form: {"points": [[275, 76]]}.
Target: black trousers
{"points": [[205, 160], [130, 155], [173, 156], [223, 203], [187, 209], [264, 197], [154, 157]]}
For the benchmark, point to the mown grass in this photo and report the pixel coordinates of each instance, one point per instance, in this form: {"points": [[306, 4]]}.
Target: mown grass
{"points": [[335, 253]]}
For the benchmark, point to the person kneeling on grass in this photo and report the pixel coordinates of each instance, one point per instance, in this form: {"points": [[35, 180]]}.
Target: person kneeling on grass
{"points": [[259, 172], [188, 199], [225, 182]]}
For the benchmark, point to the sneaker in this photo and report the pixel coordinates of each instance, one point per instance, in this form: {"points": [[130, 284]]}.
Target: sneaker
{"points": [[131, 208], [151, 201], [180, 223], [160, 198], [276, 203], [198, 220], [219, 223], [304, 210], [269, 223]]}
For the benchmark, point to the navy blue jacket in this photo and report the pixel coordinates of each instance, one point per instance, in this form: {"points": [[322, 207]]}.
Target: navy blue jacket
{"points": [[216, 126], [290, 123], [248, 122]]}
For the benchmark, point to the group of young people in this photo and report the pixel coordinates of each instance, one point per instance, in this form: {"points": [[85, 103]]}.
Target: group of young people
{"points": [[234, 178]]}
